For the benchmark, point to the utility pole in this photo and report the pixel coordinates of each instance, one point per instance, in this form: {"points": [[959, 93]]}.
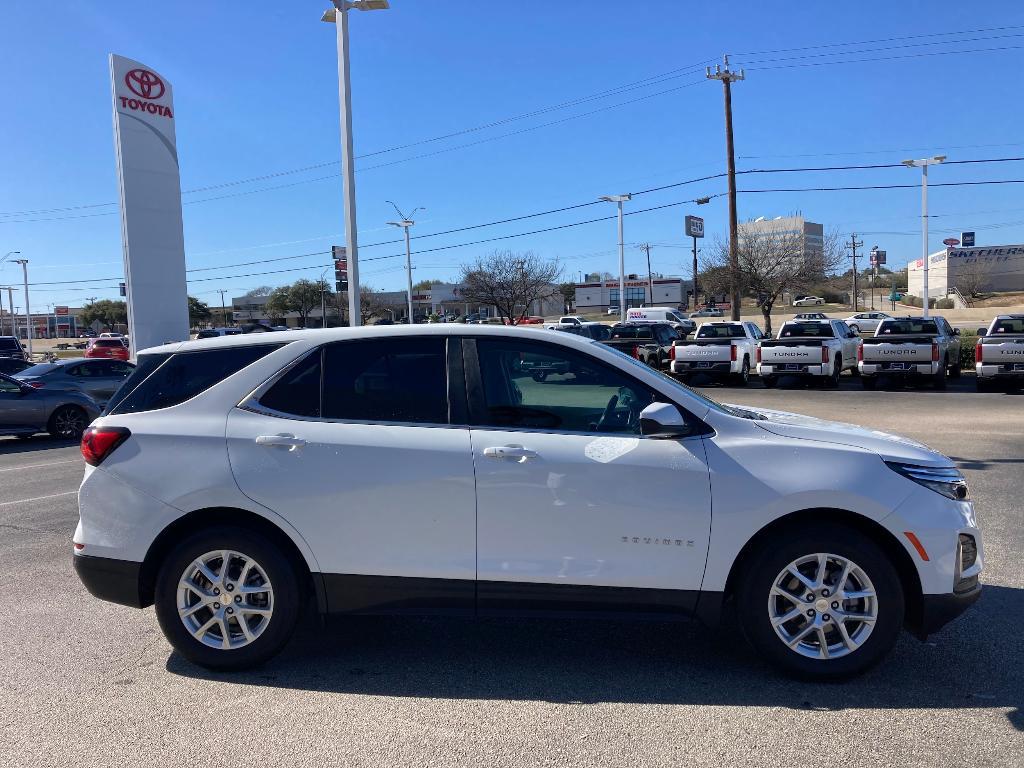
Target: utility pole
{"points": [[223, 309], [28, 314], [854, 245], [650, 275], [728, 77], [406, 222], [619, 200]]}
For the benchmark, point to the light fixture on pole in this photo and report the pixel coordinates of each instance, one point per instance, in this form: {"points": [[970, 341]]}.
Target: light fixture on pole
{"points": [[619, 200], [923, 165], [338, 15], [405, 223], [28, 315]]}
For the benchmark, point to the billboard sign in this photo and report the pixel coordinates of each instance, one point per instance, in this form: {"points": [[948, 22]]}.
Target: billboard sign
{"points": [[150, 187], [694, 226], [967, 239], [951, 242], [61, 311], [340, 254]]}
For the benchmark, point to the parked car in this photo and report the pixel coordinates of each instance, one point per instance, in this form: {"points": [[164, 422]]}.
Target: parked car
{"points": [[111, 335], [810, 316], [107, 347], [650, 343], [808, 301], [10, 347], [911, 347], [708, 312], [216, 333], [726, 350], [25, 410], [87, 334], [817, 348], [215, 490], [673, 317], [866, 322], [99, 379], [999, 354], [590, 330], [13, 365], [613, 311], [527, 320]]}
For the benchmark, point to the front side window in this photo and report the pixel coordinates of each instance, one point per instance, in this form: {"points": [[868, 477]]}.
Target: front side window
{"points": [[541, 386], [401, 379], [7, 385]]}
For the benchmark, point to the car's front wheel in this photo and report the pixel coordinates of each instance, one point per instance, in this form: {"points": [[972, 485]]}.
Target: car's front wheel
{"points": [[227, 598], [821, 601], [68, 422]]}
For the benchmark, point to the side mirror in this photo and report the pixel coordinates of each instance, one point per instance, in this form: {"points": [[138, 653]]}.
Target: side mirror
{"points": [[982, 331], [663, 421], [956, 331]]}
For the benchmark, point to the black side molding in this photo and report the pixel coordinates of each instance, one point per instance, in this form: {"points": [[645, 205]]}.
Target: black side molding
{"points": [[116, 581], [938, 610]]}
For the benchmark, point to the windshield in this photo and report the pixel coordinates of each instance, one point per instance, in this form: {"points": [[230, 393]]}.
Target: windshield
{"points": [[39, 370], [720, 331], [676, 317], [794, 330], [908, 326], [712, 404]]}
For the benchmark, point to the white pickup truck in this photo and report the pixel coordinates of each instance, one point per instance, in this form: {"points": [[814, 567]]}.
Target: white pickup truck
{"points": [[819, 348], [999, 354], [922, 348], [564, 322], [724, 350]]}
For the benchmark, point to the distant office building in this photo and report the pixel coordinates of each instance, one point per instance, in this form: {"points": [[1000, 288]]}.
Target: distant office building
{"points": [[597, 296], [984, 268], [813, 235]]}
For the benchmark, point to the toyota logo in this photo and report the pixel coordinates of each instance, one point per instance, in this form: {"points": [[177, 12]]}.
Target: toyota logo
{"points": [[144, 83]]}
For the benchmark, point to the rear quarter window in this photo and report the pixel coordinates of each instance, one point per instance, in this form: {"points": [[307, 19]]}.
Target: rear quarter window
{"points": [[161, 381]]}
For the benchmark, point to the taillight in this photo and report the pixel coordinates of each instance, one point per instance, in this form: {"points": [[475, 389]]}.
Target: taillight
{"points": [[759, 353], [36, 384], [935, 351], [672, 352], [100, 442], [978, 348], [824, 353], [636, 352], [860, 353], [732, 352]]}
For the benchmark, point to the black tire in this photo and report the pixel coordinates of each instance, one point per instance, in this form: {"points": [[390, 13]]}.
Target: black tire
{"points": [[287, 598], [939, 378], [67, 422], [869, 382], [769, 381], [684, 378], [787, 546], [984, 385], [539, 376], [955, 370], [832, 381], [742, 378]]}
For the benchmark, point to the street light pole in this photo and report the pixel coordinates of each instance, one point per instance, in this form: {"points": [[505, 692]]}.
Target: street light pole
{"points": [[406, 222], [28, 314], [619, 200], [338, 15], [923, 165]]}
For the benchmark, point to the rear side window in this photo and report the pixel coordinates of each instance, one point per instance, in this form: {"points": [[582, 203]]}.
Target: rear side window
{"points": [[633, 332], [793, 330], [925, 327], [1009, 325], [401, 380], [181, 376]]}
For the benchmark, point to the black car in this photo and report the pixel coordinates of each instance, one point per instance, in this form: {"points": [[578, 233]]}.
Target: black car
{"points": [[11, 347], [13, 365], [650, 343]]}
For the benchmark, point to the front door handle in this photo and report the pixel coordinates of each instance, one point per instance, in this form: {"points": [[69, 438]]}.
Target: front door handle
{"points": [[291, 442], [516, 452]]}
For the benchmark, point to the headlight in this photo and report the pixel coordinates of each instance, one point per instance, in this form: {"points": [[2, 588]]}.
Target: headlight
{"points": [[945, 480]]}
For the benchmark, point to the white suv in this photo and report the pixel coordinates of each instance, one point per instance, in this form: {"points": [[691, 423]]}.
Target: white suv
{"points": [[421, 469]]}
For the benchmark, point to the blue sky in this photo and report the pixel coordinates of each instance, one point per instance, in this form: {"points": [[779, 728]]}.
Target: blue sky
{"points": [[256, 94]]}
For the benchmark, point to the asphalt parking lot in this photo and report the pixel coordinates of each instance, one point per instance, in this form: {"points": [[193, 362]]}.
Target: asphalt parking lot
{"points": [[88, 683]]}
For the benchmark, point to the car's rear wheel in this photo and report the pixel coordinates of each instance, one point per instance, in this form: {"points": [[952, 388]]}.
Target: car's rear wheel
{"points": [[821, 601], [743, 377], [227, 598], [955, 370], [939, 378], [68, 422], [832, 380]]}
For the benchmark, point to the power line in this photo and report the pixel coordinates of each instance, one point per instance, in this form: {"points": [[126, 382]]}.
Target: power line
{"points": [[889, 58]]}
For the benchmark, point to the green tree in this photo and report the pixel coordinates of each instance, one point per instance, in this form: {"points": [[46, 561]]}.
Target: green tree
{"points": [[106, 311], [279, 303], [198, 311], [568, 291], [425, 285]]}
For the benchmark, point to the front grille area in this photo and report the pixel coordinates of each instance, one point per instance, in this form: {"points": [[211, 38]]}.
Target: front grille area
{"points": [[965, 585], [968, 551]]}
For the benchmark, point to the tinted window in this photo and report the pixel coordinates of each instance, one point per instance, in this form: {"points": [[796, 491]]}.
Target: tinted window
{"points": [[908, 326], [791, 330], [9, 344], [108, 343], [297, 392], [719, 331], [40, 370], [540, 386], [1009, 325], [118, 368], [400, 380], [9, 385], [632, 332], [599, 332], [182, 376]]}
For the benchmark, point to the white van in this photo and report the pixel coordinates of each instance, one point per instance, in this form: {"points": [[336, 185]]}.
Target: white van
{"points": [[677, 319]]}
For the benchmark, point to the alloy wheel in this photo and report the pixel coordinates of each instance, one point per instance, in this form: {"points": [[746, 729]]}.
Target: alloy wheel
{"points": [[225, 599], [823, 606], [69, 422]]}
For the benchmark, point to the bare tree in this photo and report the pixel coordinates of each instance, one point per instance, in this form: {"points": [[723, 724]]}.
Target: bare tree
{"points": [[773, 260], [374, 303], [972, 276], [510, 282]]}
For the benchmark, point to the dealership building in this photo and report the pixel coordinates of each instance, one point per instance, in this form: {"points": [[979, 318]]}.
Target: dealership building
{"points": [[669, 291], [986, 268]]}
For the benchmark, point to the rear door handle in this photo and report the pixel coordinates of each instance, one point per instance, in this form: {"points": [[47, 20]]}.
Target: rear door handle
{"points": [[516, 452], [291, 442]]}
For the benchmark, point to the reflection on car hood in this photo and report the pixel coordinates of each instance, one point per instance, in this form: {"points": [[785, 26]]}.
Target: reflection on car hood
{"points": [[890, 447]]}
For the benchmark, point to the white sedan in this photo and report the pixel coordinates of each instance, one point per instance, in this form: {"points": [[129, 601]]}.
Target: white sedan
{"points": [[866, 322], [808, 301]]}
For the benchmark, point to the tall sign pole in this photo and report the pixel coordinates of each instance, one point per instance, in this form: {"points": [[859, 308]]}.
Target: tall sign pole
{"points": [[728, 77], [150, 187], [695, 229]]}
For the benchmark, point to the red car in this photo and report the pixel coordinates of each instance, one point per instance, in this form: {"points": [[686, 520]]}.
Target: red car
{"points": [[107, 348], [527, 320]]}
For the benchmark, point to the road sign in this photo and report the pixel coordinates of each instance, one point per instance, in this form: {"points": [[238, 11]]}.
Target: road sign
{"points": [[61, 311], [123, 289], [694, 226], [951, 241], [967, 239], [340, 254]]}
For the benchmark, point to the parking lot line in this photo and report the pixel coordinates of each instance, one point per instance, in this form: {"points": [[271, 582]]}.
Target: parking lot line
{"points": [[36, 466], [37, 498]]}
